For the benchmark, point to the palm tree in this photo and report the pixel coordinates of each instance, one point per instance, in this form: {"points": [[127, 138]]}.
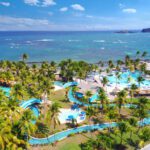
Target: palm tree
{"points": [[123, 128], [133, 88], [142, 109], [104, 81], [55, 110], [102, 98], [133, 124], [118, 77], [137, 54], [111, 114], [24, 57], [140, 79], [18, 92], [25, 126], [88, 94], [144, 54], [121, 98], [90, 112]]}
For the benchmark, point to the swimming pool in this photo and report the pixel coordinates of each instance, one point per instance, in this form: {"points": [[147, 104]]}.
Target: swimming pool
{"points": [[124, 79], [69, 114]]}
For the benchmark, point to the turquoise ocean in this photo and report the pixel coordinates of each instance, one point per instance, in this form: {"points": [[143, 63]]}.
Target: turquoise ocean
{"points": [[89, 46]]}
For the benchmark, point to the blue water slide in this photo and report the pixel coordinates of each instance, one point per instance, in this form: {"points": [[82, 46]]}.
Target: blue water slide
{"points": [[30, 102], [61, 135], [69, 84]]}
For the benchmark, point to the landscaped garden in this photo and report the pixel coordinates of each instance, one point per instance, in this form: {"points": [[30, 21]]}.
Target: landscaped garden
{"points": [[36, 113]]}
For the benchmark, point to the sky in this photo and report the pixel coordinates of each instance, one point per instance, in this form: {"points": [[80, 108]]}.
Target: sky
{"points": [[72, 15]]}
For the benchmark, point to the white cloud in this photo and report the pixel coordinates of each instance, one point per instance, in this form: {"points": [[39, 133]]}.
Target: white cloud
{"points": [[63, 9], [42, 3], [7, 4], [48, 3], [78, 7], [31, 2], [14, 23], [129, 10]]}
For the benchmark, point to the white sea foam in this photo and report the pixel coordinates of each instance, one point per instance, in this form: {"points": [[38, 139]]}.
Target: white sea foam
{"points": [[46, 40], [73, 40], [8, 39], [14, 44], [122, 42], [119, 42], [29, 42], [102, 47], [99, 41]]}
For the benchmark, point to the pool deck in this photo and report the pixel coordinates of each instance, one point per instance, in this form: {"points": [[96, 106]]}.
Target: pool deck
{"points": [[147, 147]]}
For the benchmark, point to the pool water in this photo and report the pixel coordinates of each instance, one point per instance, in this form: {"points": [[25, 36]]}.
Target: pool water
{"points": [[6, 90], [68, 114], [58, 83], [124, 79]]}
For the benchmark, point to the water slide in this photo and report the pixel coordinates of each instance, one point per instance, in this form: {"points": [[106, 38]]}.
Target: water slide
{"points": [[30, 102], [61, 135]]}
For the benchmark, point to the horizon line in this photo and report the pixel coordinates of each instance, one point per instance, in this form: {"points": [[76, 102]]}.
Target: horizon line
{"points": [[69, 30]]}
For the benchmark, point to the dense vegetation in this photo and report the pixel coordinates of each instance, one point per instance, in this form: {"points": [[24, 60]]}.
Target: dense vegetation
{"points": [[31, 80]]}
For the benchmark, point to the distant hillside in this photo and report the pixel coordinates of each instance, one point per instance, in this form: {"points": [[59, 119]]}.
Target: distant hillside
{"points": [[146, 30], [125, 31]]}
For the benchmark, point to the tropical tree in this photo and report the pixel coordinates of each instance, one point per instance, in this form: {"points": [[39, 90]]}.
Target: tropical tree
{"points": [[24, 57], [123, 128], [144, 54], [102, 98], [133, 88], [132, 126], [104, 81], [90, 112], [55, 110], [140, 79], [111, 114], [121, 98]]}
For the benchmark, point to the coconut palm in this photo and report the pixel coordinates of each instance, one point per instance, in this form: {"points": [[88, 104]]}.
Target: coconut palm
{"points": [[144, 54], [88, 95], [90, 112], [55, 110], [142, 109], [25, 126], [133, 124], [104, 81], [24, 57], [123, 128], [111, 114], [102, 98], [121, 98], [133, 88], [118, 77], [18, 92], [140, 79]]}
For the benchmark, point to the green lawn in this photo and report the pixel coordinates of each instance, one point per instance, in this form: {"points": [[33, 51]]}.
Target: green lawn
{"points": [[60, 97], [70, 146]]}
